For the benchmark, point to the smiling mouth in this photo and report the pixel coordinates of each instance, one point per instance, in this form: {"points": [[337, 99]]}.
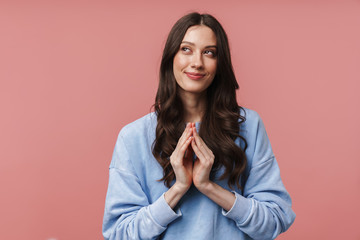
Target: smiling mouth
{"points": [[194, 76]]}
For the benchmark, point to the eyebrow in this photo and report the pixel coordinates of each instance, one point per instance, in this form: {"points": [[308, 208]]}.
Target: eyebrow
{"points": [[193, 44]]}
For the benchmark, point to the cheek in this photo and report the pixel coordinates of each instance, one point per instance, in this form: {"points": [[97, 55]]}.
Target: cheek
{"points": [[179, 62], [212, 67], [177, 67]]}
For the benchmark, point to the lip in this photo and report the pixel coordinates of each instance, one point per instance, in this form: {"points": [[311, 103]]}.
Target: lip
{"points": [[194, 76]]}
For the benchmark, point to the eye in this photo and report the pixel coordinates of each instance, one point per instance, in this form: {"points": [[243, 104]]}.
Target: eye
{"points": [[210, 53], [185, 49]]}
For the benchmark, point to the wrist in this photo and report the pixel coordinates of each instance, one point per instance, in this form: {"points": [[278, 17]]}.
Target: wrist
{"points": [[219, 195], [206, 187], [174, 194], [180, 188]]}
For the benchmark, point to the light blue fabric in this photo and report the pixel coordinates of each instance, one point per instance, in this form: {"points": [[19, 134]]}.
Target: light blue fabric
{"points": [[135, 207]]}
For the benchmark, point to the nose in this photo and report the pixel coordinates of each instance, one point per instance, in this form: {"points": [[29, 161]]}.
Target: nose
{"points": [[197, 61]]}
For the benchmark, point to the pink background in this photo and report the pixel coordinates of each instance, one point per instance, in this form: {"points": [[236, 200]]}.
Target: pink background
{"points": [[73, 73]]}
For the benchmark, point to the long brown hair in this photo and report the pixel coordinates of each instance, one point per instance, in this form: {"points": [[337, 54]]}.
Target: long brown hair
{"points": [[221, 122]]}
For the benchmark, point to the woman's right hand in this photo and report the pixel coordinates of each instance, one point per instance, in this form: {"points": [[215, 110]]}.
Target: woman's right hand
{"points": [[182, 159]]}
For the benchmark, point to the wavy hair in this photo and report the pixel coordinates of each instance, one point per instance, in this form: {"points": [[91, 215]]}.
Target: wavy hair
{"points": [[220, 124]]}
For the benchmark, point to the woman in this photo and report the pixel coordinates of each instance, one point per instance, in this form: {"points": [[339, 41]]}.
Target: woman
{"points": [[217, 181]]}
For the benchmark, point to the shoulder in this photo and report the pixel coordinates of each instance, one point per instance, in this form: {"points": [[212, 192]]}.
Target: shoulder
{"points": [[258, 144], [249, 124], [142, 127], [134, 140], [252, 119]]}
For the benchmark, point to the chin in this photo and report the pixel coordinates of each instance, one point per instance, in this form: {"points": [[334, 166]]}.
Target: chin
{"points": [[193, 90]]}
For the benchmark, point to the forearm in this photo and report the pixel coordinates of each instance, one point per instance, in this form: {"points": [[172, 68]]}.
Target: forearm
{"points": [[219, 195], [174, 194], [128, 213]]}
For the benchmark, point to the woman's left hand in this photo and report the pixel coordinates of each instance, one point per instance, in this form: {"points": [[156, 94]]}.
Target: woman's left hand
{"points": [[203, 163], [201, 174]]}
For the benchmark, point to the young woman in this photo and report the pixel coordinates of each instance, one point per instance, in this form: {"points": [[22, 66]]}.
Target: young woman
{"points": [[200, 166]]}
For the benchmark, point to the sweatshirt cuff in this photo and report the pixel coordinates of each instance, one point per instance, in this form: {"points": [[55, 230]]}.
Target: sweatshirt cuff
{"points": [[162, 212], [241, 209]]}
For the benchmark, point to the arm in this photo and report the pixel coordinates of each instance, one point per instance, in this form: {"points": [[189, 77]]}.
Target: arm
{"points": [[201, 173], [264, 210], [128, 213], [219, 195]]}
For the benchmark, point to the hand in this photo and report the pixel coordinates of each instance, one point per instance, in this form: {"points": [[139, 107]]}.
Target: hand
{"points": [[203, 163], [182, 160]]}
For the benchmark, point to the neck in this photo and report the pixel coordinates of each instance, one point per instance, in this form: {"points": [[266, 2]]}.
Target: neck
{"points": [[194, 106]]}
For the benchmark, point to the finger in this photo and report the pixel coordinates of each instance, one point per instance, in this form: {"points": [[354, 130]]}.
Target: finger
{"points": [[185, 135], [197, 151], [177, 157], [185, 131], [201, 144], [184, 147], [178, 153], [204, 149], [205, 160]]}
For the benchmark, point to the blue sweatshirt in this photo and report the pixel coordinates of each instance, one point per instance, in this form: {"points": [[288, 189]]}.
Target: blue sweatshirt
{"points": [[135, 206]]}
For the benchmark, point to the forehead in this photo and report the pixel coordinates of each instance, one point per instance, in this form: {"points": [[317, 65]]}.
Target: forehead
{"points": [[200, 35]]}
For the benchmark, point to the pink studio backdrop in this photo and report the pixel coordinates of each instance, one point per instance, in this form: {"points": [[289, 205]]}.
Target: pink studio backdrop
{"points": [[73, 73]]}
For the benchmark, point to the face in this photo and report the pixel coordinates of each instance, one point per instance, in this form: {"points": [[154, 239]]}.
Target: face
{"points": [[195, 63]]}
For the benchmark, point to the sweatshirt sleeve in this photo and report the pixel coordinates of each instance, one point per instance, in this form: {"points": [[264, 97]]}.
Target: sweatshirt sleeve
{"points": [[128, 213], [264, 210]]}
